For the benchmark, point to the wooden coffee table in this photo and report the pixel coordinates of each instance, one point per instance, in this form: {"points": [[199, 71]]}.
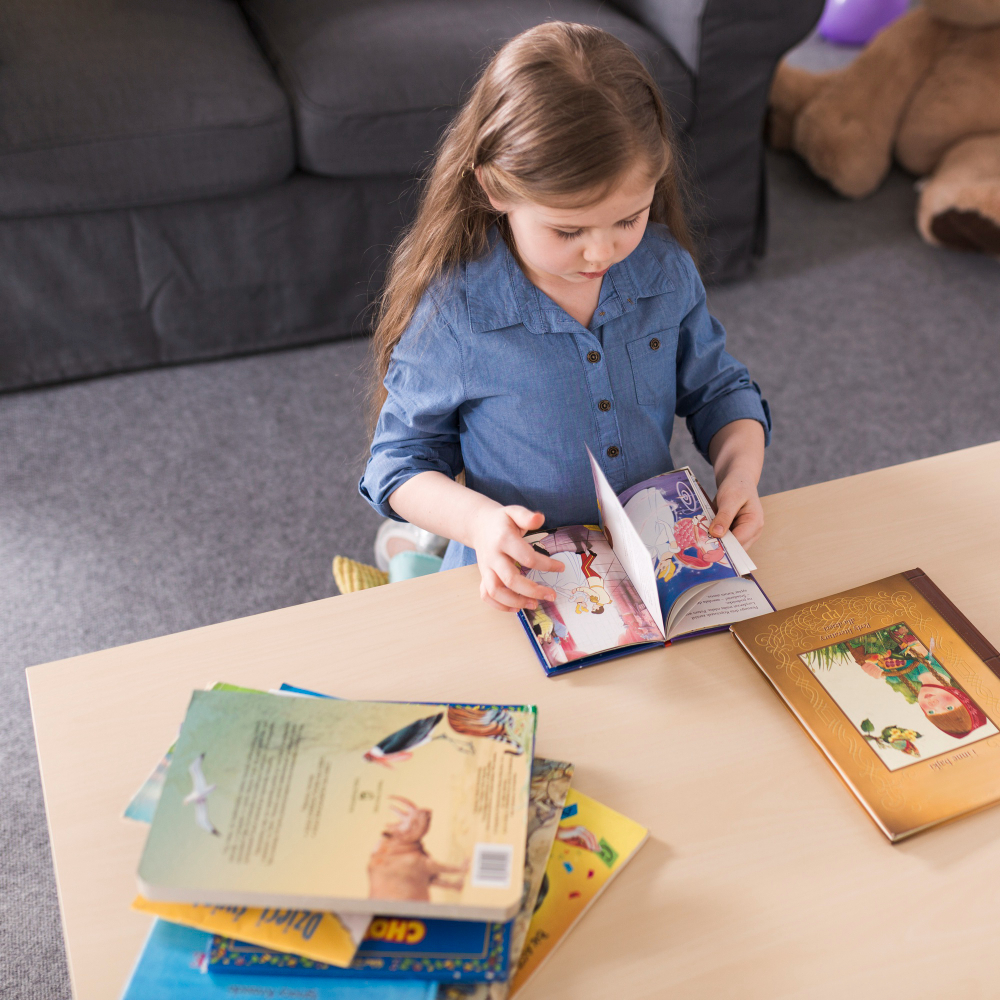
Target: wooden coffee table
{"points": [[762, 878]]}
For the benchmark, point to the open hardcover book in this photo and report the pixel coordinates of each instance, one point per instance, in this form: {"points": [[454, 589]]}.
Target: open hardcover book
{"points": [[650, 573]]}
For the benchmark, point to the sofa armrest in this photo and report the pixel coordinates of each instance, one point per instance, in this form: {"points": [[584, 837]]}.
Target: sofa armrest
{"points": [[739, 43], [677, 22]]}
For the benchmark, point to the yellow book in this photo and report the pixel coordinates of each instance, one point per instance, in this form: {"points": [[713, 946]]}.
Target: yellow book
{"points": [[593, 843], [323, 937]]}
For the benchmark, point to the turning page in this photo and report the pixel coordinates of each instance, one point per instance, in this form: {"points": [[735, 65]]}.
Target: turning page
{"points": [[624, 539]]}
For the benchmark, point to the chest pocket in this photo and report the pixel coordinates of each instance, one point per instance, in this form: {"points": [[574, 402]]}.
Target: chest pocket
{"points": [[652, 358]]}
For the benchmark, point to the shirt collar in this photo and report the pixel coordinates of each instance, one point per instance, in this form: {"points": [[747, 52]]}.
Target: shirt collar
{"points": [[500, 296]]}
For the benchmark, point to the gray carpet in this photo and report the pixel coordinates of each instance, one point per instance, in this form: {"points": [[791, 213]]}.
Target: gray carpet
{"points": [[139, 505]]}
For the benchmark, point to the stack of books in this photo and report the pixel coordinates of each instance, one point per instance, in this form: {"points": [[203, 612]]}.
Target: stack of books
{"points": [[305, 846]]}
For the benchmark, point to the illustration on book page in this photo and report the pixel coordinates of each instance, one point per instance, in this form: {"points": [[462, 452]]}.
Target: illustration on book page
{"points": [[596, 606], [671, 523]]}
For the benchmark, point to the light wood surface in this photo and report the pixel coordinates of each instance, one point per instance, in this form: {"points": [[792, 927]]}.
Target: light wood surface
{"points": [[763, 877]]}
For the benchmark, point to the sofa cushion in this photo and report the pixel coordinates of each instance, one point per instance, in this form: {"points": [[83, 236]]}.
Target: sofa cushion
{"points": [[374, 82], [117, 103]]}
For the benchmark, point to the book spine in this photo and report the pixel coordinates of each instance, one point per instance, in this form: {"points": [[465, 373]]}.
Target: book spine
{"points": [[523, 619], [975, 639]]}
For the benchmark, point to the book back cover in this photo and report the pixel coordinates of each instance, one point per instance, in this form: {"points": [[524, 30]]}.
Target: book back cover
{"points": [[336, 805]]}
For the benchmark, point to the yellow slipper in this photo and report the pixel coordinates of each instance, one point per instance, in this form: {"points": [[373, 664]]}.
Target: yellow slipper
{"points": [[351, 575]]}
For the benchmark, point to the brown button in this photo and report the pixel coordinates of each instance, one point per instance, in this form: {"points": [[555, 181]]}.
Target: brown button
{"points": [[601, 313], [593, 357], [614, 451], [655, 344], [605, 405]]}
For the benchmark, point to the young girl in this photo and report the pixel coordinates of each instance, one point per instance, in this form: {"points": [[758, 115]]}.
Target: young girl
{"points": [[544, 299]]}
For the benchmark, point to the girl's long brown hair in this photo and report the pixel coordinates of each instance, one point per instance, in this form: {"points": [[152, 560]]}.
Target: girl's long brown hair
{"points": [[561, 112]]}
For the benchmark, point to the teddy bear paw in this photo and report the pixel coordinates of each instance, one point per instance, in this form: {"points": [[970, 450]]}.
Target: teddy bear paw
{"points": [[966, 229], [960, 202]]}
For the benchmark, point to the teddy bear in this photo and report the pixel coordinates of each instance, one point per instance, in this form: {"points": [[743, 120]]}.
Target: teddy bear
{"points": [[926, 91]]}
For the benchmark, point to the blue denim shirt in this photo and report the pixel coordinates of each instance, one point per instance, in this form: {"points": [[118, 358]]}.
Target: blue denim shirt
{"points": [[492, 376]]}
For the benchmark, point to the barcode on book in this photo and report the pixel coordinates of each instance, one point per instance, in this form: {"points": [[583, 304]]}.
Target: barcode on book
{"points": [[491, 866]]}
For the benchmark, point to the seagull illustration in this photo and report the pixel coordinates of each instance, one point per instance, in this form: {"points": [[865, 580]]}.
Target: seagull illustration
{"points": [[199, 795]]}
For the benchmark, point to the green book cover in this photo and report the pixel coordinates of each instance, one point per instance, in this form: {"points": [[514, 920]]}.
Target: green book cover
{"points": [[344, 805]]}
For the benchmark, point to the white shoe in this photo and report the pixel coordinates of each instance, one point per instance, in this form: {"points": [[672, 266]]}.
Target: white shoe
{"points": [[400, 536]]}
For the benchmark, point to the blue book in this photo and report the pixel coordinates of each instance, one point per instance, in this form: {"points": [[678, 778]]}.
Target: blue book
{"points": [[174, 963], [394, 948], [650, 573]]}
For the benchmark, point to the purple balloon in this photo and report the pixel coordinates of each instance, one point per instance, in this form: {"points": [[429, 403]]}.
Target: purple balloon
{"points": [[856, 22]]}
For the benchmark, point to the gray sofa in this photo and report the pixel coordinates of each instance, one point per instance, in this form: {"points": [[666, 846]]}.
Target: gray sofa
{"points": [[201, 178]]}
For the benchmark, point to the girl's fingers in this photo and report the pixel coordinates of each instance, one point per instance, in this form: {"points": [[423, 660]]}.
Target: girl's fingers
{"points": [[510, 576], [526, 520], [728, 509], [490, 602], [522, 552], [500, 593], [748, 526]]}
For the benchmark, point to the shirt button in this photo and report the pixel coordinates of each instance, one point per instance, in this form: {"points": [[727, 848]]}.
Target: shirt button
{"points": [[655, 343], [593, 357], [605, 405], [614, 451]]}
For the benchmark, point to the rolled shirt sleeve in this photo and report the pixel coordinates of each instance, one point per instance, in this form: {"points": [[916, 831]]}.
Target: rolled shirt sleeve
{"points": [[713, 388], [418, 428]]}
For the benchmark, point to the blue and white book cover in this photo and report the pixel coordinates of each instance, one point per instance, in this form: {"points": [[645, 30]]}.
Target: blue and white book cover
{"points": [[173, 965]]}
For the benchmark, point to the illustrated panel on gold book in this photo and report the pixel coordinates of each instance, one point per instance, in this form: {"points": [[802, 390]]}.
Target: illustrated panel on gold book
{"points": [[899, 695]]}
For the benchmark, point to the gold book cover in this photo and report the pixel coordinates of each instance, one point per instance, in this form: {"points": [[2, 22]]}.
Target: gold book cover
{"points": [[900, 691]]}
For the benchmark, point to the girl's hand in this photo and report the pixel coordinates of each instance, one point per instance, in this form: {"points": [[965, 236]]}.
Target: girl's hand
{"points": [[439, 504], [498, 538], [738, 510], [737, 452]]}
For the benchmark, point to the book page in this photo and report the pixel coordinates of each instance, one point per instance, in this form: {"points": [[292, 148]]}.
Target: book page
{"points": [[597, 606], [720, 603], [685, 602], [669, 514], [625, 540]]}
